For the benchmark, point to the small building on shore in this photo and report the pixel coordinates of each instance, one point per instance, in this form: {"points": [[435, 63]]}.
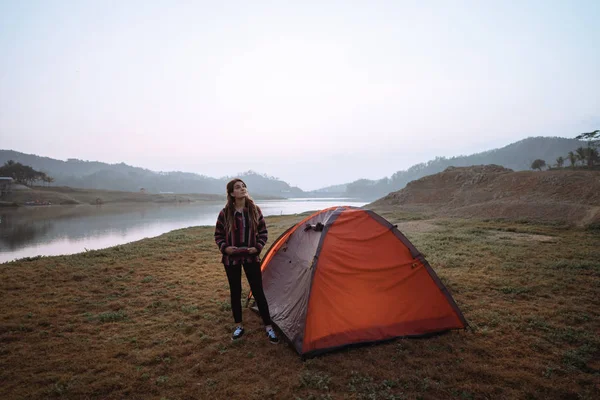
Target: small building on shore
{"points": [[6, 183]]}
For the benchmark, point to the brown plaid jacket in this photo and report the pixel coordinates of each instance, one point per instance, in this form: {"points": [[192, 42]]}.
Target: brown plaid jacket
{"points": [[240, 236]]}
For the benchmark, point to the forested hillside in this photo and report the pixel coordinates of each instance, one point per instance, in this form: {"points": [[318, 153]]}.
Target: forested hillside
{"points": [[97, 175], [517, 156]]}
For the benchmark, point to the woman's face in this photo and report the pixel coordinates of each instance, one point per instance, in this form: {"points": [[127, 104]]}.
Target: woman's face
{"points": [[239, 190]]}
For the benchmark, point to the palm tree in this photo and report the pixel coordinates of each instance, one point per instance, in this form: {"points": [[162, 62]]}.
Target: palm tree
{"points": [[560, 162], [572, 158], [592, 156], [581, 154]]}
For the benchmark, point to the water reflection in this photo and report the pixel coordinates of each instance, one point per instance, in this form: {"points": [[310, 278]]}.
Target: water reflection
{"points": [[31, 231], [13, 235]]}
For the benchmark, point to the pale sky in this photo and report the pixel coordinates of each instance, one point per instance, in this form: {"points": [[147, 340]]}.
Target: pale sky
{"points": [[313, 92]]}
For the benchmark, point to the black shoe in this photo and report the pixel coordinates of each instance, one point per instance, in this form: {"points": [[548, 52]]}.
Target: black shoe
{"points": [[238, 333], [272, 336]]}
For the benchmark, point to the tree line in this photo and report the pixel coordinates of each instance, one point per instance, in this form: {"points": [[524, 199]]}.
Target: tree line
{"points": [[516, 156], [23, 174], [589, 155]]}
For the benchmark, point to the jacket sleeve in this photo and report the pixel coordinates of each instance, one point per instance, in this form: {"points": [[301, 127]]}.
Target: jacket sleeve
{"points": [[262, 236], [220, 233]]}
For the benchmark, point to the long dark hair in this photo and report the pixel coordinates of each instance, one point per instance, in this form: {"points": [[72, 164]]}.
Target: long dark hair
{"points": [[230, 209]]}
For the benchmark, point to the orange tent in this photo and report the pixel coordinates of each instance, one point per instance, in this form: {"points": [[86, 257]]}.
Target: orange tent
{"points": [[345, 276]]}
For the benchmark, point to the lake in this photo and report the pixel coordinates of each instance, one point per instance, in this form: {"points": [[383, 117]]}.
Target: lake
{"points": [[52, 230]]}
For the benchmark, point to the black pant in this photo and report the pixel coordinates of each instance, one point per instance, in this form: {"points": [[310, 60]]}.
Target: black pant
{"points": [[234, 276]]}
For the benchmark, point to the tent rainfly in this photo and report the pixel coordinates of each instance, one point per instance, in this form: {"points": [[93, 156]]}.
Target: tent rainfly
{"points": [[346, 276]]}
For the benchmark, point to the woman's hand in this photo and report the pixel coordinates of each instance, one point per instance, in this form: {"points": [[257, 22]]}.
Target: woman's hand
{"points": [[252, 250], [230, 250]]}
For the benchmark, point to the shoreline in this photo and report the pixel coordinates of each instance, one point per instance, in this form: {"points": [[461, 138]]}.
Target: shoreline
{"points": [[41, 196], [41, 216]]}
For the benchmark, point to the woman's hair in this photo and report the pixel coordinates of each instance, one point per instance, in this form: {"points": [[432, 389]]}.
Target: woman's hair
{"points": [[230, 209]]}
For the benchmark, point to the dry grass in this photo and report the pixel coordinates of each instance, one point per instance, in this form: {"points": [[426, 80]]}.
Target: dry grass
{"points": [[151, 319], [58, 195], [492, 191]]}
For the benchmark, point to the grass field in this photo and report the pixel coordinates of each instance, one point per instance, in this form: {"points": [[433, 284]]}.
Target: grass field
{"points": [[152, 319], [58, 195]]}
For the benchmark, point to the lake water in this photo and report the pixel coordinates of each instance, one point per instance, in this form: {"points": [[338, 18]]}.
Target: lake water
{"points": [[47, 231]]}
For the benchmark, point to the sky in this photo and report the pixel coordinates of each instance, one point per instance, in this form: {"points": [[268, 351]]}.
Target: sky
{"points": [[312, 92]]}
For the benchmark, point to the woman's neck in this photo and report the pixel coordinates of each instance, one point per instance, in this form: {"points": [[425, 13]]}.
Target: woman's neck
{"points": [[240, 204]]}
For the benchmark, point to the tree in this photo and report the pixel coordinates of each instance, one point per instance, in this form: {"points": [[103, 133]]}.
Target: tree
{"points": [[572, 158], [538, 164], [591, 153], [22, 174], [581, 154], [560, 162], [591, 156], [47, 179], [589, 135]]}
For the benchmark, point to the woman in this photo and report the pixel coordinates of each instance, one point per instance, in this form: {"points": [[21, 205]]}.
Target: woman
{"points": [[241, 234]]}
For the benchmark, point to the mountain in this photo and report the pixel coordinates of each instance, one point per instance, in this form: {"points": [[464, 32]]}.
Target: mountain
{"points": [[517, 156], [99, 175], [330, 190]]}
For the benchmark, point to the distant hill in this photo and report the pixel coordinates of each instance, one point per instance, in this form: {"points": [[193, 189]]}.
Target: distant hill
{"points": [[517, 156], [492, 191], [330, 190], [98, 175]]}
